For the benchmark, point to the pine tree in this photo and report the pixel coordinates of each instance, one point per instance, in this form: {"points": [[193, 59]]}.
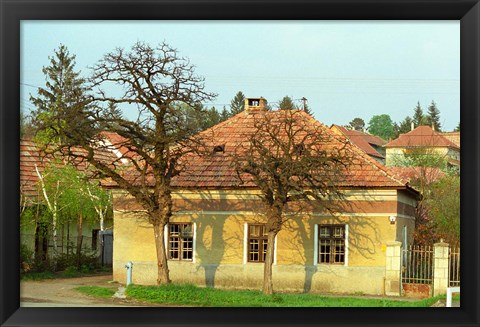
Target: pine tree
{"points": [[64, 89], [237, 105], [433, 117], [418, 117], [286, 104], [224, 115], [405, 126]]}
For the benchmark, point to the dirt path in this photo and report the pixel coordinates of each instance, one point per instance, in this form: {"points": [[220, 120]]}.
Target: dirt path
{"points": [[61, 292]]}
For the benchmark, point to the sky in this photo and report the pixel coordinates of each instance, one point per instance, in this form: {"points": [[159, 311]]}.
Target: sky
{"points": [[345, 69]]}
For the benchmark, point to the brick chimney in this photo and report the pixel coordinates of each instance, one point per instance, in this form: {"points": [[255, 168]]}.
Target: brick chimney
{"points": [[255, 104]]}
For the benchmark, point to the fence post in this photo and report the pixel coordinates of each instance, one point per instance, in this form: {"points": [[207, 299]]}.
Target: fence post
{"points": [[393, 269], [440, 268]]}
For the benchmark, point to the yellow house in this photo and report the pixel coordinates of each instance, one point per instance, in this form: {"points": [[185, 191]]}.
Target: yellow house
{"points": [[216, 237], [424, 139]]}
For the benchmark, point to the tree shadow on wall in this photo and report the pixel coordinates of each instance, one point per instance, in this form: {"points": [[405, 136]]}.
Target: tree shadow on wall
{"points": [[211, 214], [363, 238]]}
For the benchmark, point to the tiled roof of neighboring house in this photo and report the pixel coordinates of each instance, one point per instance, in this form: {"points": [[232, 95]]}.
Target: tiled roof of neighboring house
{"points": [[32, 156], [430, 174], [453, 137], [363, 140], [422, 136]]}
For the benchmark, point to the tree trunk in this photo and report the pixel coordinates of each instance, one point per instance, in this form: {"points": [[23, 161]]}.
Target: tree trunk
{"points": [[79, 240], [162, 264], [267, 269]]}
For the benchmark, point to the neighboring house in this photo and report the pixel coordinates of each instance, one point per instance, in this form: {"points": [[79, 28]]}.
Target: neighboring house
{"points": [[37, 236], [372, 145], [217, 235], [424, 139]]}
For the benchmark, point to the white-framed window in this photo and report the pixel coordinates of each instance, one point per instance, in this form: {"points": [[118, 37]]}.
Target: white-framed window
{"points": [[180, 241], [331, 244]]}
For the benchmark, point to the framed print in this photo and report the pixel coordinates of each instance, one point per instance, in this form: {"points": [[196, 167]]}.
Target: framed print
{"points": [[319, 59]]}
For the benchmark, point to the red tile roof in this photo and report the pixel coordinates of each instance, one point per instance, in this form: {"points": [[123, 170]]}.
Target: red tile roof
{"points": [[216, 171], [453, 137], [422, 136], [32, 156], [408, 174], [363, 140]]}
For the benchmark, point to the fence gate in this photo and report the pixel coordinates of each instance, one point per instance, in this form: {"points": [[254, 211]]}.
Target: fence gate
{"points": [[417, 271], [454, 267]]}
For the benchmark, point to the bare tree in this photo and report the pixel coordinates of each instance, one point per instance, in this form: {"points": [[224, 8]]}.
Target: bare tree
{"points": [[146, 83], [296, 163]]}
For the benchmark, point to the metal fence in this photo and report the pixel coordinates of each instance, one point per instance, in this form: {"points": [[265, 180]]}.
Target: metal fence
{"points": [[417, 264], [454, 267]]}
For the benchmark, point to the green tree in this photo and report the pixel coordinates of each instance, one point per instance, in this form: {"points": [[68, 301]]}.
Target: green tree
{"points": [[306, 107], [151, 82], [237, 105], [443, 204], [224, 115], [382, 126], [433, 117], [64, 90], [286, 104], [418, 117], [457, 129], [405, 126], [357, 124], [71, 196]]}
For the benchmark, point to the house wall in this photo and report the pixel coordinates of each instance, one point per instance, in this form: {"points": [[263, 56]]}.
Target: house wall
{"points": [[394, 156], [220, 245]]}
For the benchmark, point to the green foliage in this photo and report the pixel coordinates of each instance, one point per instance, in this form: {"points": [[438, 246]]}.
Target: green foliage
{"points": [[198, 118], [443, 203], [457, 129], [381, 126], [68, 262], [405, 126], [193, 295], [26, 258], [64, 90], [357, 124], [421, 157], [237, 105], [418, 117], [97, 291], [433, 117], [286, 104], [38, 275]]}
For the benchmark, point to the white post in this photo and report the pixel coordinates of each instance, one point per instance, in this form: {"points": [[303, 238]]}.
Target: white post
{"points": [[129, 267], [451, 290]]}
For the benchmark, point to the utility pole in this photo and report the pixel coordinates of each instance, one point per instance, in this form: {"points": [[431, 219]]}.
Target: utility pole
{"points": [[304, 103]]}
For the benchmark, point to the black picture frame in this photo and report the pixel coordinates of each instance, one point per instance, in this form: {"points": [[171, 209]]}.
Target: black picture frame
{"points": [[13, 11]]}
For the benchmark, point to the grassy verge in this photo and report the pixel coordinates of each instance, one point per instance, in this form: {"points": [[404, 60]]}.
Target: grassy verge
{"points": [[96, 291], [198, 296]]}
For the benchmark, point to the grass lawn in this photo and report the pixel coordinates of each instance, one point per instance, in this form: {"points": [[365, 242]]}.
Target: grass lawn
{"points": [[198, 296]]}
